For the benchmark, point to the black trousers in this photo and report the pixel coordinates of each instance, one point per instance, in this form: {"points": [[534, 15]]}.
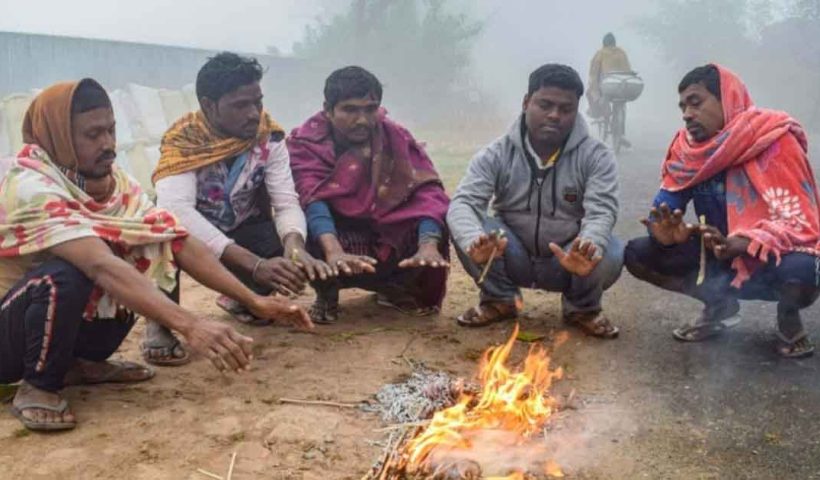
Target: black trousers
{"points": [[259, 236], [42, 329]]}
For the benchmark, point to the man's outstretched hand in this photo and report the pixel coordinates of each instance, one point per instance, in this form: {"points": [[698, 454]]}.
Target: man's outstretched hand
{"points": [[724, 248], [581, 259], [220, 343], [486, 246], [279, 308], [667, 226], [428, 255]]}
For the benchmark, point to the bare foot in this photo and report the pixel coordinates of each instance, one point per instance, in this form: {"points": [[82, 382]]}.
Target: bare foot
{"points": [[28, 395], [161, 347]]}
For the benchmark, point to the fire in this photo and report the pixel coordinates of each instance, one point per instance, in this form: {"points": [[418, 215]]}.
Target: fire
{"points": [[513, 404]]}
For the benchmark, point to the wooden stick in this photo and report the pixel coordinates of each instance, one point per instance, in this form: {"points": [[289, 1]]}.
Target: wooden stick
{"points": [[209, 474], [397, 426], [487, 265], [702, 271], [230, 468], [295, 401]]}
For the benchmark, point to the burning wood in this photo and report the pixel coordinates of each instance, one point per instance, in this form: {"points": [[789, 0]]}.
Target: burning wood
{"points": [[489, 433]]}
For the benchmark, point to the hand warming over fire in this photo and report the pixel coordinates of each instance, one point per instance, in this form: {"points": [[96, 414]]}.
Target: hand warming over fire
{"points": [[487, 246], [724, 248], [581, 259], [667, 226], [278, 308], [428, 255]]}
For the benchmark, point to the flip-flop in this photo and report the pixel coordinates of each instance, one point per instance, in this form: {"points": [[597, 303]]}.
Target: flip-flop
{"points": [[30, 424], [483, 315], [166, 361], [240, 313], [410, 307], [705, 330], [786, 346], [115, 375]]}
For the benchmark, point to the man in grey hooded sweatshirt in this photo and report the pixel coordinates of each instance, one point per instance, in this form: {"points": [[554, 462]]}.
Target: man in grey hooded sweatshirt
{"points": [[554, 193]]}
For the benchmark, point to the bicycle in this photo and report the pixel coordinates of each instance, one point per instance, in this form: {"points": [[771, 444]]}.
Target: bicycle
{"points": [[618, 89]]}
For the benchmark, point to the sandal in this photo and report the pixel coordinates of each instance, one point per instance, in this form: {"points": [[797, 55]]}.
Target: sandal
{"points": [[406, 305], [486, 314], [240, 313], [796, 347], [118, 374], [30, 424], [594, 324], [167, 359], [704, 330]]}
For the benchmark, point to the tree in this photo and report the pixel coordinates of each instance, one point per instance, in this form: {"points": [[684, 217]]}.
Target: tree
{"points": [[419, 49]]}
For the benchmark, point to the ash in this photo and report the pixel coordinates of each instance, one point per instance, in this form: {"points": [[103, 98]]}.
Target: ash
{"points": [[417, 398]]}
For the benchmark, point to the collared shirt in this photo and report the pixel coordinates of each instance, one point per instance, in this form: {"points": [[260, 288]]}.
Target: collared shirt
{"points": [[180, 194]]}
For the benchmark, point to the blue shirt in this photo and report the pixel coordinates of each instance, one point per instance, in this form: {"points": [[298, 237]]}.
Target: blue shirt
{"points": [[320, 221], [709, 198]]}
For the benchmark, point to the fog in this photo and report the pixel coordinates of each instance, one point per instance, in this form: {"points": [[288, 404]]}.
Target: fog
{"points": [[507, 40]]}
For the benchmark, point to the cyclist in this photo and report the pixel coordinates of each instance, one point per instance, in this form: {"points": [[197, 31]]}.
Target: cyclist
{"points": [[609, 59]]}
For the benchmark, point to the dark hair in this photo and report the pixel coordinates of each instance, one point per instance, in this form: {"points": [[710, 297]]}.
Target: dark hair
{"points": [[351, 82], [89, 95], [224, 73], [707, 75], [609, 40], [556, 75]]}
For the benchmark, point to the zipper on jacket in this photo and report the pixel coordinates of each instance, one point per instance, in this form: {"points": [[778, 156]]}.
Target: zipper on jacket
{"points": [[538, 219], [554, 187]]}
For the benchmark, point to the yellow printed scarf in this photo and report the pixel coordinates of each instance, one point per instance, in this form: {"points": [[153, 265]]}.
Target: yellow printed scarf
{"points": [[191, 143]]}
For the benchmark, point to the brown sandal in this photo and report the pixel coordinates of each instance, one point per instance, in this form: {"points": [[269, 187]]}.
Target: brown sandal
{"points": [[593, 324], [487, 314]]}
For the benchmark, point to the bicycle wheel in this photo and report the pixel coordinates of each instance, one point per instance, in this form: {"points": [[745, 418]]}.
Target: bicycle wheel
{"points": [[618, 125]]}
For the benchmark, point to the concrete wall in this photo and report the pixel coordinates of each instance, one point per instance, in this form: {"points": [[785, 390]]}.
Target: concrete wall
{"points": [[292, 89]]}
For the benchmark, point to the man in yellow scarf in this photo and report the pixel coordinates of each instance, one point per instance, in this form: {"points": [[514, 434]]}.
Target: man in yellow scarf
{"points": [[223, 170], [82, 250]]}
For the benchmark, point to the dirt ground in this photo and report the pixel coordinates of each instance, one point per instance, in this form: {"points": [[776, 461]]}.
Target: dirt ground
{"points": [[649, 407]]}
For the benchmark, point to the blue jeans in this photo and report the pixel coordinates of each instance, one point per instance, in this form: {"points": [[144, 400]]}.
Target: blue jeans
{"points": [[516, 268]]}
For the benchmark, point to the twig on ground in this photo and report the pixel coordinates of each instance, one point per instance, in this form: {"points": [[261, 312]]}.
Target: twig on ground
{"points": [[322, 403], [230, 468], [209, 474], [407, 347], [420, 423]]}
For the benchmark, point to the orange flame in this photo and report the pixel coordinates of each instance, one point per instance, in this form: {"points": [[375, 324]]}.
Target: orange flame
{"points": [[514, 404]]}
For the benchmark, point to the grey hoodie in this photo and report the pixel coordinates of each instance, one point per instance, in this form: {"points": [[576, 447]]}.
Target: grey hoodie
{"points": [[578, 196]]}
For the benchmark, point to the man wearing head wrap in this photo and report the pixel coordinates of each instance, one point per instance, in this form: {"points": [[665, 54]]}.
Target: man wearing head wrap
{"points": [[82, 250], [747, 171]]}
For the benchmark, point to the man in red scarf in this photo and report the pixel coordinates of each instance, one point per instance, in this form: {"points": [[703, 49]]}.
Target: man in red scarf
{"points": [[747, 171], [375, 205], [83, 251]]}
